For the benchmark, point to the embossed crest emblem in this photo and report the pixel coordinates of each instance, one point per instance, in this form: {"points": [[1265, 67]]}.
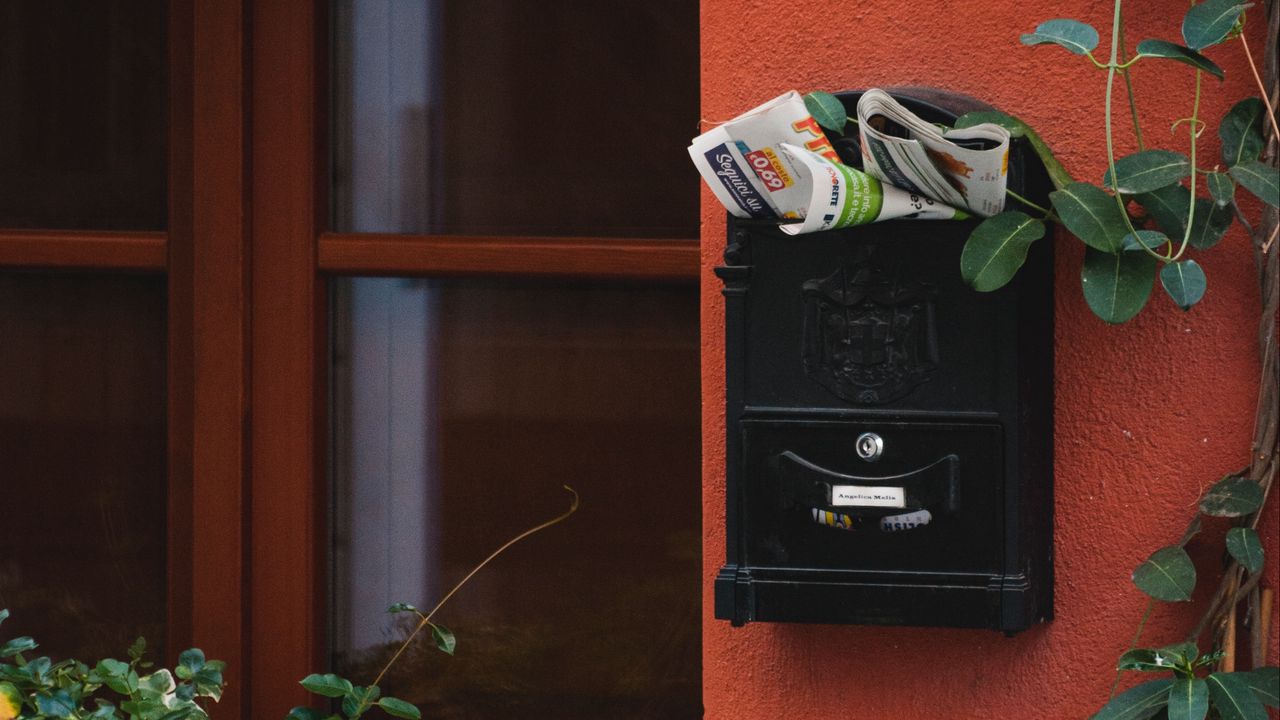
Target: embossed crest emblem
{"points": [[869, 331]]}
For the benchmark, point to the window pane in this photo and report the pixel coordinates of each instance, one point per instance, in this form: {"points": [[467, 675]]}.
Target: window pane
{"points": [[82, 437], [507, 117], [460, 409], [83, 121]]}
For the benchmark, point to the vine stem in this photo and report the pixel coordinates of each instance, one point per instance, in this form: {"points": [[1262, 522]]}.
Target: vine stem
{"points": [[1128, 86], [1262, 88], [1191, 211], [1142, 624], [426, 619]]}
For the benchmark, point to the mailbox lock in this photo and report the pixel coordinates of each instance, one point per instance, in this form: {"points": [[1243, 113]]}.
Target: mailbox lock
{"points": [[869, 446]]}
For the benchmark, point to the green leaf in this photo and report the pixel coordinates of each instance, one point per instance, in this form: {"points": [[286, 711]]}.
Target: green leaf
{"points": [[1167, 575], [1017, 128], [1148, 660], [1221, 187], [1150, 238], [1233, 699], [1184, 282], [138, 649], [189, 663], [17, 645], [357, 702], [1245, 546], [1136, 703], [401, 607], [1209, 22], [109, 667], [1188, 699], [1260, 179], [1183, 653], [827, 110], [328, 685], [396, 707], [1091, 215], [1265, 683], [1116, 286], [1169, 207], [445, 640], [57, 705], [1232, 496], [1073, 35], [997, 248], [1241, 132], [1148, 170], [1178, 53], [4, 615], [302, 713]]}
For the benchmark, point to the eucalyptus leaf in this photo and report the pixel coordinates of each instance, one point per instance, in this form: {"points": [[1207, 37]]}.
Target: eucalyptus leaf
{"points": [[1075, 36], [328, 685], [996, 248], [1178, 53], [445, 640], [1167, 575], [1188, 699], [1221, 187], [1265, 683], [1184, 281], [1245, 546], [827, 110], [1232, 496], [1147, 170], [1241, 132], [1092, 215], [1233, 699], [1149, 238], [1260, 179], [1116, 286], [1017, 128], [1209, 22], [1136, 703], [396, 707]]}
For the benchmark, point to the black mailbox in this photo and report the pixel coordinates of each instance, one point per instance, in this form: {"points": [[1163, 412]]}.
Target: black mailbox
{"points": [[889, 429]]}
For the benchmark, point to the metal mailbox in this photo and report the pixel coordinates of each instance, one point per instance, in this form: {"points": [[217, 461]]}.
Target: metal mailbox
{"points": [[889, 429]]}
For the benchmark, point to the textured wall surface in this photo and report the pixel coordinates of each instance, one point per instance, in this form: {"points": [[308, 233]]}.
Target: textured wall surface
{"points": [[1148, 414]]}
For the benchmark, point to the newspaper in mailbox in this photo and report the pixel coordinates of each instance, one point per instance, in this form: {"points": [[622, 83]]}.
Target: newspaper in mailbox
{"points": [[775, 163]]}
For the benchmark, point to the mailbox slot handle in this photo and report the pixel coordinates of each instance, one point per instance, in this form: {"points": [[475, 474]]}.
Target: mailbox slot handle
{"points": [[934, 487]]}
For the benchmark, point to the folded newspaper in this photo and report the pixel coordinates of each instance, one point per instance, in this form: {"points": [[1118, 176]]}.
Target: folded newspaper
{"points": [[775, 163]]}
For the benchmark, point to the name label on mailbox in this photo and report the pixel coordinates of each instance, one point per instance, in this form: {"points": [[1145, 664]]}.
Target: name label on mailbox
{"points": [[868, 496]]}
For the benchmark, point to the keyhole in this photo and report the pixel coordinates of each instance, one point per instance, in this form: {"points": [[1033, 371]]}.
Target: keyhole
{"points": [[869, 446]]}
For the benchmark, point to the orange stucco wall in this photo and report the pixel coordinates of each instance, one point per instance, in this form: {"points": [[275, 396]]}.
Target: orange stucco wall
{"points": [[1148, 413]]}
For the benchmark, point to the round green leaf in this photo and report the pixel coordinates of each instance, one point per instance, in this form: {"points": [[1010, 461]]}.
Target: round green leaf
{"points": [[1116, 286], [1184, 282], [399, 708], [1260, 179], [1167, 575], [1178, 53], [1233, 699], [328, 685], [1188, 699], [1169, 207], [997, 248], [1073, 35], [57, 705], [1265, 684], [1209, 22], [445, 640], [827, 110], [1241, 132], [1232, 497], [17, 645], [1245, 547], [1148, 170], [1150, 238], [1140, 701], [1221, 187], [1091, 215]]}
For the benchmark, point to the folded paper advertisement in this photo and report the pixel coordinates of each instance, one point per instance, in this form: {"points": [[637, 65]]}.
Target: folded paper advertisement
{"points": [[775, 163]]}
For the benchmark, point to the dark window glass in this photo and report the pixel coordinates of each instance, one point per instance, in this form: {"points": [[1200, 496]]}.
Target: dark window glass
{"points": [[83, 118], [460, 410], [82, 437], [509, 117]]}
